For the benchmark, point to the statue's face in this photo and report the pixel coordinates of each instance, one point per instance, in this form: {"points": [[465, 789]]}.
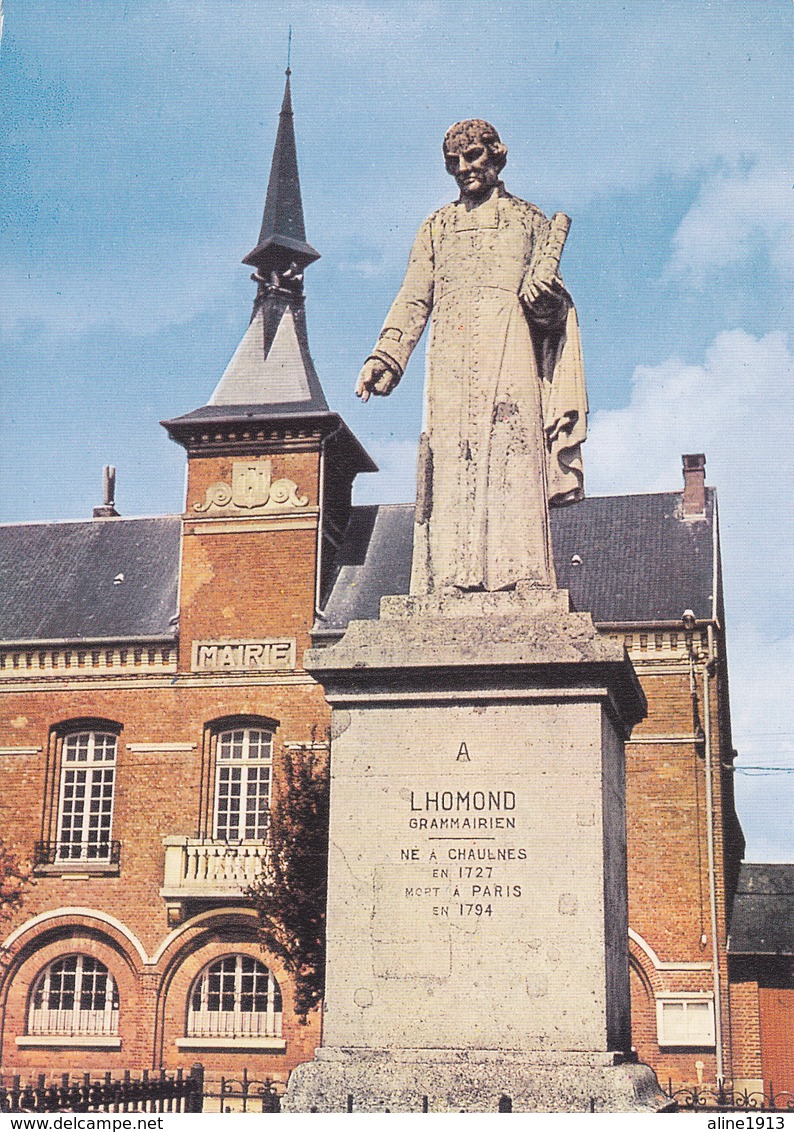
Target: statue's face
{"points": [[473, 166]]}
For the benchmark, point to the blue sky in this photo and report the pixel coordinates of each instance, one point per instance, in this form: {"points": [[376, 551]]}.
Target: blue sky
{"points": [[135, 144]]}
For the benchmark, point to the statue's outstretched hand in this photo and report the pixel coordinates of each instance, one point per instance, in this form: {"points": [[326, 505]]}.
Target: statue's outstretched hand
{"points": [[376, 377]]}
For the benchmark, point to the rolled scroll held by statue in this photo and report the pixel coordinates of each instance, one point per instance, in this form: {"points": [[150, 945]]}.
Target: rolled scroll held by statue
{"points": [[544, 267]]}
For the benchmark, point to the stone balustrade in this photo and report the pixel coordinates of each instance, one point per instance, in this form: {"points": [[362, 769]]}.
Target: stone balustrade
{"points": [[199, 868]]}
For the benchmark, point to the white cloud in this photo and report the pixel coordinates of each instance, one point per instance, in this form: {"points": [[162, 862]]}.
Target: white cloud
{"points": [[770, 740], [736, 406], [733, 217]]}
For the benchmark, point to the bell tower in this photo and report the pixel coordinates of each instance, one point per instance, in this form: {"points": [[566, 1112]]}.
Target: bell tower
{"points": [[270, 467]]}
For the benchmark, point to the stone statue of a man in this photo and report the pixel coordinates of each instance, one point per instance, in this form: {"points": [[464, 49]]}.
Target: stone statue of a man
{"points": [[505, 402]]}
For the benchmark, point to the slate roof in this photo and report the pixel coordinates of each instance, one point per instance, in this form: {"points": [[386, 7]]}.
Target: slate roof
{"points": [[57, 579], [374, 559], [762, 921], [639, 560]]}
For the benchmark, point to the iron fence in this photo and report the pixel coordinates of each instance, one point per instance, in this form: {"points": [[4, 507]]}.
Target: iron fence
{"points": [[244, 1094], [191, 1092], [76, 852], [147, 1093], [724, 1098]]}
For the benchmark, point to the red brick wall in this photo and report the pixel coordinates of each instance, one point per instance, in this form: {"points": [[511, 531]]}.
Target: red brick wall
{"points": [[745, 1021], [301, 1037], [65, 936], [256, 583], [160, 787], [256, 578], [248, 583], [157, 794], [668, 859]]}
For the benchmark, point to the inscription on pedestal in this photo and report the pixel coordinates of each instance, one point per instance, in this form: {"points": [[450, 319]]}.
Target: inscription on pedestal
{"points": [[467, 888], [459, 866]]}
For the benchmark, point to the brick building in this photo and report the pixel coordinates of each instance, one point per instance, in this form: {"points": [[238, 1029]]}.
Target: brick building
{"points": [[151, 682], [761, 971]]}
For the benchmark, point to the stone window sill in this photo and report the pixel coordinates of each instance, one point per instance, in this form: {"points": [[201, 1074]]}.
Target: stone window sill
{"points": [[274, 1045], [77, 870], [68, 1041], [685, 1047]]}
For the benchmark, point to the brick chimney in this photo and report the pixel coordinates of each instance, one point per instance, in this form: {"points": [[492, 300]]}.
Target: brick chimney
{"points": [[694, 485]]}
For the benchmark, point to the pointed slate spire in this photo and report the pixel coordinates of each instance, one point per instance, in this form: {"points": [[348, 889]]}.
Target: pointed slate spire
{"points": [[282, 239], [271, 379], [272, 366]]}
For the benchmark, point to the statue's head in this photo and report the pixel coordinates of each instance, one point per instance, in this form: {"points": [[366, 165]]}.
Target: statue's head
{"points": [[475, 156]]}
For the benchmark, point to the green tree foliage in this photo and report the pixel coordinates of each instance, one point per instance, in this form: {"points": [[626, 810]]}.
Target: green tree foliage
{"points": [[291, 893], [15, 878]]}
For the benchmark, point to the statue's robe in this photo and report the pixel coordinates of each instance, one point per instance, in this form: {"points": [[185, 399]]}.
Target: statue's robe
{"points": [[496, 379]]}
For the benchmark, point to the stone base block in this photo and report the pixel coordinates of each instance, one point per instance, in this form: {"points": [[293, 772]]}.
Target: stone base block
{"points": [[437, 1080]]}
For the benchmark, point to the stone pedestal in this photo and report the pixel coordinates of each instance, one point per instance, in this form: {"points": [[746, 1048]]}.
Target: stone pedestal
{"points": [[455, 1080], [477, 919]]}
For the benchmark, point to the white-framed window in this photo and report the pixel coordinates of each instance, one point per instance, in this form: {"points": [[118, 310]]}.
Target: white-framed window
{"points": [[243, 769], [685, 1020], [235, 997], [74, 996], [85, 809]]}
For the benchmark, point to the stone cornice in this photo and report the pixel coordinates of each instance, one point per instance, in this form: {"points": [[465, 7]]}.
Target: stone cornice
{"points": [[253, 430], [232, 439]]}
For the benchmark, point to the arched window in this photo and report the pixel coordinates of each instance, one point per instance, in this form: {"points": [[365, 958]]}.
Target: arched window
{"points": [[85, 812], [235, 997], [244, 763], [74, 995]]}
